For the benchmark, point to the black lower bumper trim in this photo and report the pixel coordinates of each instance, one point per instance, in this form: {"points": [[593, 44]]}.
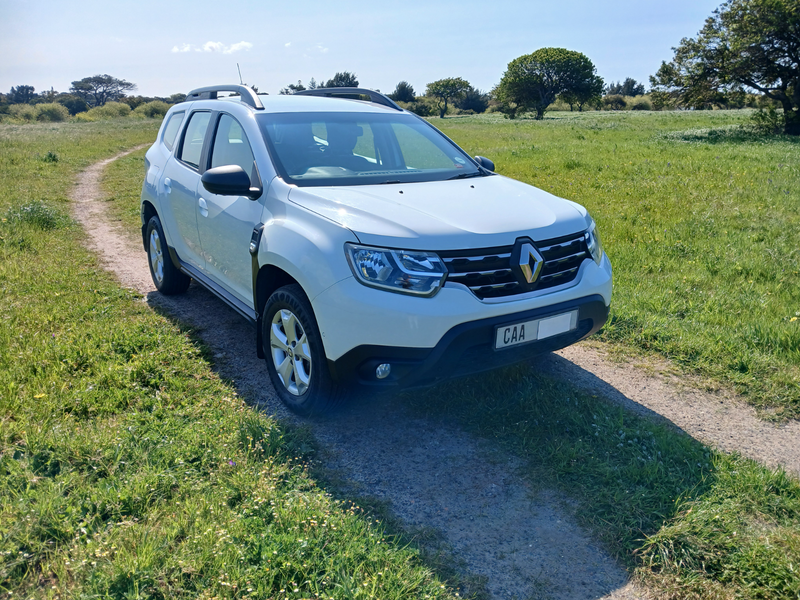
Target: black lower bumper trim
{"points": [[467, 348]]}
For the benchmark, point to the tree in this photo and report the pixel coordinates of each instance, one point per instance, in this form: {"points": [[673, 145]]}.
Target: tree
{"points": [[99, 89], [403, 93], [344, 79], [293, 88], [590, 90], [22, 94], [629, 87], [446, 89], [474, 100], [744, 44], [532, 81]]}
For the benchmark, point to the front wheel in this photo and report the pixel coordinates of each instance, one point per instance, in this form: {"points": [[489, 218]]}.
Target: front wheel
{"points": [[295, 356]]}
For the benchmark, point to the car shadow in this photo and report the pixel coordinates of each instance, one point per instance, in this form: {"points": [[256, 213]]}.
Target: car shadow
{"points": [[468, 499]]}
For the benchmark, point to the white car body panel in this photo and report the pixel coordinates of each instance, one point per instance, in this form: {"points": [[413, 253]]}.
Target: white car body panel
{"points": [[386, 319], [479, 212]]}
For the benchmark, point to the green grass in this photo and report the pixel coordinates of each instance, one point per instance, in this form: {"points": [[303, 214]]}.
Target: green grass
{"points": [[128, 469], [122, 185], [701, 220], [691, 522]]}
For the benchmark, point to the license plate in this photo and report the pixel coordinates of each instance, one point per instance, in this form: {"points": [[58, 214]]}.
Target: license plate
{"points": [[534, 330]]}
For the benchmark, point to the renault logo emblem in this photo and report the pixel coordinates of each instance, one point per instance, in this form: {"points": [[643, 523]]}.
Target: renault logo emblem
{"points": [[530, 262]]}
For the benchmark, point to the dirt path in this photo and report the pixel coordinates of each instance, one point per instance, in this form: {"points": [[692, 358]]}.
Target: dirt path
{"points": [[435, 477]]}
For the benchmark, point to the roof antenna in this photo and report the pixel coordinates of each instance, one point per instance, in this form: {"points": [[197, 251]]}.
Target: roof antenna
{"points": [[240, 74]]}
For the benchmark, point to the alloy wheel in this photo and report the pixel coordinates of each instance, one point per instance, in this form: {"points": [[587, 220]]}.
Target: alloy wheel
{"points": [[290, 351]]}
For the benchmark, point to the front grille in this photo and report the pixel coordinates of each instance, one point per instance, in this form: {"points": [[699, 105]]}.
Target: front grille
{"points": [[490, 272]]}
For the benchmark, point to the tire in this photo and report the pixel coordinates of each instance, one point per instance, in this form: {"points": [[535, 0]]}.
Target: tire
{"points": [[295, 355], [168, 279]]}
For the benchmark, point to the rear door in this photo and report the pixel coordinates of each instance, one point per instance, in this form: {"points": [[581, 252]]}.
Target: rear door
{"points": [[178, 189]]}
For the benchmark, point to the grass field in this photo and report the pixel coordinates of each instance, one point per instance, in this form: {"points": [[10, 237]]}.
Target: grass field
{"points": [[702, 224], [691, 522], [700, 219], [106, 385], [128, 469]]}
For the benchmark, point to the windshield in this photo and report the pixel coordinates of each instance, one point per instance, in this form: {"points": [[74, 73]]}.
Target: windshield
{"points": [[324, 149]]}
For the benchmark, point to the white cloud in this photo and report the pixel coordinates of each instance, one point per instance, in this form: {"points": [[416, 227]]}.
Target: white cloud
{"points": [[214, 47], [287, 44], [238, 46]]}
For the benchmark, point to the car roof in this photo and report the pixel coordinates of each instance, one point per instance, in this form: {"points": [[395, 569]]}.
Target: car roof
{"points": [[318, 100], [298, 103]]}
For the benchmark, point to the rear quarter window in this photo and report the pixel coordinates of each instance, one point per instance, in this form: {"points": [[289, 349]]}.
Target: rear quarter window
{"points": [[193, 137], [171, 129]]}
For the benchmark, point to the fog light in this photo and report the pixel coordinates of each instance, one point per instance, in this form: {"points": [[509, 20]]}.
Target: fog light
{"points": [[382, 372]]}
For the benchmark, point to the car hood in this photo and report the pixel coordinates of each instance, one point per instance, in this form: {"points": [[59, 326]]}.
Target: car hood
{"points": [[479, 212]]}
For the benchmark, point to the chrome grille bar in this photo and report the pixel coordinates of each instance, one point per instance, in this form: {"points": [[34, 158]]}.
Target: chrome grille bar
{"points": [[488, 273]]}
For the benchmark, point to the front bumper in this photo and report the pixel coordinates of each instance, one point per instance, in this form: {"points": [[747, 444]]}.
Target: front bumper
{"points": [[465, 349]]}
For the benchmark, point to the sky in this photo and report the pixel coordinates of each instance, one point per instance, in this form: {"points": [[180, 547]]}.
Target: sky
{"points": [[165, 46]]}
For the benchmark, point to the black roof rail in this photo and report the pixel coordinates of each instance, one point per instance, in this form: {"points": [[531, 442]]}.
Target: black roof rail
{"points": [[351, 93], [247, 94]]}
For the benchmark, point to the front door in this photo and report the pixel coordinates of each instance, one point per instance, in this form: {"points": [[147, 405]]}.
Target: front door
{"points": [[226, 223]]}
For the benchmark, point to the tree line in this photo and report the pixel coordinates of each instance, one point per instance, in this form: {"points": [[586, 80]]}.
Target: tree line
{"points": [[83, 96], [747, 54]]}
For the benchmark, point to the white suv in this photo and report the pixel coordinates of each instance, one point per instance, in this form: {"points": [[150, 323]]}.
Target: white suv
{"points": [[364, 245]]}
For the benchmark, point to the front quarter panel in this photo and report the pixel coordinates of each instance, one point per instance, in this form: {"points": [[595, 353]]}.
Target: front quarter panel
{"points": [[308, 247]]}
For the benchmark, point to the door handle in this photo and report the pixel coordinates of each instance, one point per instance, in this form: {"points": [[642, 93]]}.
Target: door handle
{"points": [[167, 184], [203, 207]]}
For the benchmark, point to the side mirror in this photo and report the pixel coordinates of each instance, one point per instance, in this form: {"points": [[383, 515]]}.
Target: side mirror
{"points": [[230, 180], [485, 163]]}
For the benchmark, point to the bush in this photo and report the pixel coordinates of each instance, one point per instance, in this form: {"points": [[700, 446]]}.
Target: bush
{"points": [[51, 112], [110, 110], [559, 104], [641, 103], [85, 117], [768, 121], [74, 104], [422, 106], [614, 102], [662, 100], [39, 215], [22, 112], [473, 100], [152, 110]]}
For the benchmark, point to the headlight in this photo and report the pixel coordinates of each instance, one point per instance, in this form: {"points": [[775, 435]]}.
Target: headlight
{"points": [[594, 244], [403, 271]]}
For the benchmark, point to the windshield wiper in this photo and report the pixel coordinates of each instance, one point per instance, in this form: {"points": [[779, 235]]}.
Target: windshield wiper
{"points": [[465, 175]]}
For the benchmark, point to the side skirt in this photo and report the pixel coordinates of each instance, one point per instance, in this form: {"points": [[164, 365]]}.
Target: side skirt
{"points": [[228, 298]]}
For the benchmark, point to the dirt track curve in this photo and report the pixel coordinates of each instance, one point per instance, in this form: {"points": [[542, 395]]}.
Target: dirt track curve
{"points": [[433, 475]]}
